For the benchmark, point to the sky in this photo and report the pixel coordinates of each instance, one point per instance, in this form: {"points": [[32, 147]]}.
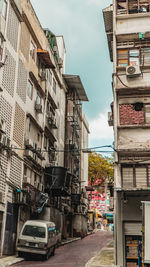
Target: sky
{"points": [[81, 24]]}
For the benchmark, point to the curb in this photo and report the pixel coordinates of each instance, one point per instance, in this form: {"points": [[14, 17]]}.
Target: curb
{"points": [[11, 262], [88, 264]]}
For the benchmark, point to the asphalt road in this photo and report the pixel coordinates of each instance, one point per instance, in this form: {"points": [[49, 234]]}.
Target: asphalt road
{"points": [[75, 254]]}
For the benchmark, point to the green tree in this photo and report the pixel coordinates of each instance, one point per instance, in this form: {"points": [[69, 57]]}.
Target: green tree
{"points": [[100, 170]]}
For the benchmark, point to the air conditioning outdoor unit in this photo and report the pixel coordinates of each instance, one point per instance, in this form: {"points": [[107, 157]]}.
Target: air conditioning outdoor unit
{"points": [[38, 108], [133, 71], [36, 184], [55, 49], [2, 125], [29, 154], [40, 187], [60, 62], [26, 179], [4, 141], [29, 143]]}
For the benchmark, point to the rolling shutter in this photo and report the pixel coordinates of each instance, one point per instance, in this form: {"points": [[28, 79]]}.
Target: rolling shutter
{"points": [[133, 228]]}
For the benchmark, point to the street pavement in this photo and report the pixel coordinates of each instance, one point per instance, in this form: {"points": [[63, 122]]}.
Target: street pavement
{"points": [[75, 254]]}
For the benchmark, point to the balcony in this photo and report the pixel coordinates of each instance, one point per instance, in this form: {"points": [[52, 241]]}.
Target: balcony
{"points": [[57, 181], [132, 6], [52, 120]]}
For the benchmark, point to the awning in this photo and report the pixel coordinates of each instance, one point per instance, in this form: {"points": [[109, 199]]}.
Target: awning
{"points": [[45, 56], [108, 21], [74, 83]]}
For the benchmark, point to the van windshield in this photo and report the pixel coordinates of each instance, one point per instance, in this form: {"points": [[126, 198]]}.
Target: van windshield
{"points": [[36, 231]]}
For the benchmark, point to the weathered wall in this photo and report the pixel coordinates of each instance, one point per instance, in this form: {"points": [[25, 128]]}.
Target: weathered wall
{"points": [[129, 116], [79, 225]]}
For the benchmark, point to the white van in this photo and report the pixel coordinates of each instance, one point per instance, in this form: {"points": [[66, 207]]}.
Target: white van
{"points": [[37, 237]]}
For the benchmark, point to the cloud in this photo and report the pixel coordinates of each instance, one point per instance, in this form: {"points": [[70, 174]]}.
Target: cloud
{"points": [[99, 128]]}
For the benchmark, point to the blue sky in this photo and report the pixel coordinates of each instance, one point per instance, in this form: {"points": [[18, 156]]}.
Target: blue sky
{"points": [[81, 24]]}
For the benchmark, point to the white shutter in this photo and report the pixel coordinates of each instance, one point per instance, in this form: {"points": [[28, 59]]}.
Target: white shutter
{"points": [[141, 177], [127, 174]]}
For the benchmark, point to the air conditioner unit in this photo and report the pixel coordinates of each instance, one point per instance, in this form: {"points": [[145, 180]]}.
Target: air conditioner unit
{"points": [[4, 141], [43, 75], [55, 49], [35, 147], [60, 62], [2, 125], [29, 154], [38, 108], [29, 143], [26, 179], [40, 187], [36, 184], [133, 71], [50, 117], [38, 151], [53, 156]]}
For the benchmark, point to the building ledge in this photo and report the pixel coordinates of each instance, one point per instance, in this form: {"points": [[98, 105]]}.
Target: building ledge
{"points": [[145, 126], [132, 16], [132, 189]]}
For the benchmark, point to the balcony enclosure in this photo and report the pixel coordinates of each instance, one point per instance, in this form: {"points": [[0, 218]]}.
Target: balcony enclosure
{"points": [[132, 6]]}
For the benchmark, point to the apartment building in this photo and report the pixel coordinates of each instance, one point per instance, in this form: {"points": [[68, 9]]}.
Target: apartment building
{"points": [[33, 104], [127, 29]]}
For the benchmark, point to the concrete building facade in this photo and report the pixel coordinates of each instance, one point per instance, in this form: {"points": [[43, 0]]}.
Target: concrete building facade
{"points": [[127, 28], [33, 105]]}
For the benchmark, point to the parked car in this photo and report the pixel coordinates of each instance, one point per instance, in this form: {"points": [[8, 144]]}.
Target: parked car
{"points": [[37, 237]]}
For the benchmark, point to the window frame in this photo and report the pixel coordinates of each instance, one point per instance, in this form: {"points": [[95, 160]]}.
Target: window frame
{"points": [[30, 93], [4, 8], [134, 167], [54, 85], [33, 50]]}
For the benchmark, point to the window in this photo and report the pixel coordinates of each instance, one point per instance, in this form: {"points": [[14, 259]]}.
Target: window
{"points": [[49, 76], [134, 57], [33, 51], [38, 137], [38, 99], [25, 170], [132, 6], [30, 89], [28, 125], [135, 176], [54, 85], [45, 142], [4, 8], [36, 231]]}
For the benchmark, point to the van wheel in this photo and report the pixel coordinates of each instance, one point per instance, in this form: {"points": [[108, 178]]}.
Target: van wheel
{"points": [[53, 252], [46, 257]]}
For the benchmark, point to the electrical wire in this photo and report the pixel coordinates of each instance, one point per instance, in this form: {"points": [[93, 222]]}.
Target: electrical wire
{"points": [[55, 150]]}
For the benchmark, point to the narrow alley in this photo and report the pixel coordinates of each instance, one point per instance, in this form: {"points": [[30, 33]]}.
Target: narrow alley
{"points": [[75, 254]]}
